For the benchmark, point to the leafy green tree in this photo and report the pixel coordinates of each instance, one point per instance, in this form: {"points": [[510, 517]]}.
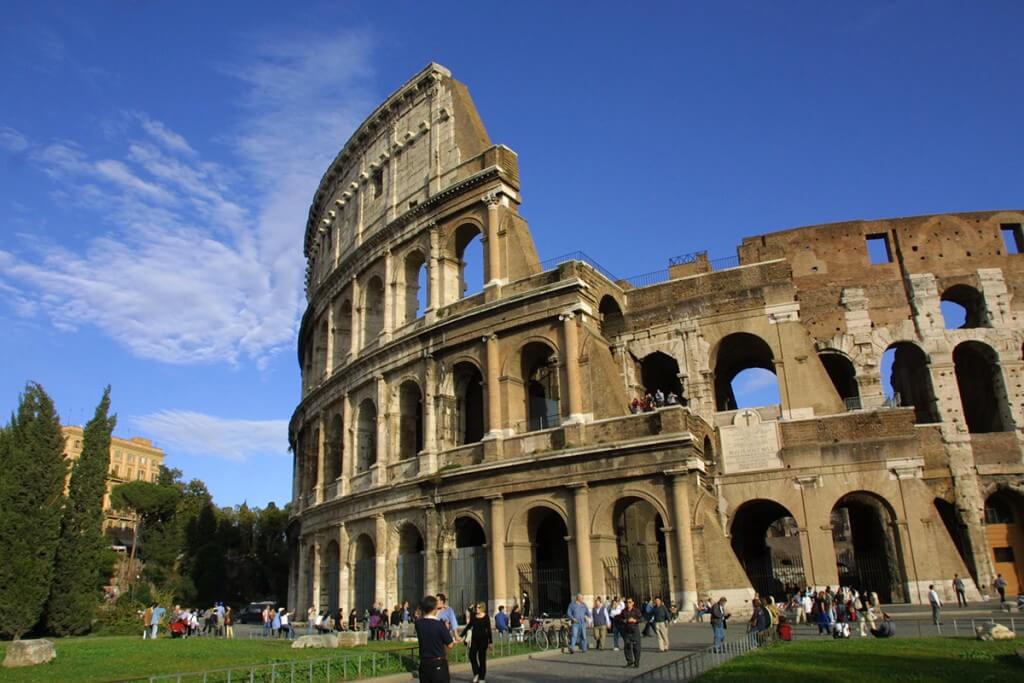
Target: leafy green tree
{"points": [[81, 561], [31, 497], [155, 538]]}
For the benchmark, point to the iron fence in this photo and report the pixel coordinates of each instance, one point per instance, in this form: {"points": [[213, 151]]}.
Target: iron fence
{"points": [[576, 256], [698, 663]]}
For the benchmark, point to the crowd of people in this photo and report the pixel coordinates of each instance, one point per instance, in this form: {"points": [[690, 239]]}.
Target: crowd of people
{"points": [[649, 402], [216, 621]]}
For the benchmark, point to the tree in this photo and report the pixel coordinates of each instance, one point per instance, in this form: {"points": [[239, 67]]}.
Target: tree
{"points": [[31, 497], [155, 540], [80, 563]]}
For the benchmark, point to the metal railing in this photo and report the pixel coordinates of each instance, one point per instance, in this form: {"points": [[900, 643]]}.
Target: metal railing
{"points": [[698, 663], [684, 259], [576, 256]]}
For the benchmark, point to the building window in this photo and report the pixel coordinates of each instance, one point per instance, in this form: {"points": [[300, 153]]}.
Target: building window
{"points": [[1003, 554], [78, 443], [378, 182], [878, 249], [1013, 238], [997, 511], [155, 477], [116, 473]]}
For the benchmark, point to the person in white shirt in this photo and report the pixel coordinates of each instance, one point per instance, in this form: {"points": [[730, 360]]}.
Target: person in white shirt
{"points": [[808, 607], [936, 603], [614, 611]]}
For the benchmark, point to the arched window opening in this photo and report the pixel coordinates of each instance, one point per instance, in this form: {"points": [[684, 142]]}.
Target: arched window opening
{"points": [[957, 530], [709, 451], [745, 373], [410, 411], [867, 547], [546, 580], [415, 273], [367, 437], [982, 391], [963, 307], [410, 564], [335, 447], [612, 320], [332, 575], [659, 373], [907, 381], [307, 366], [639, 566], [342, 332], [467, 566], [1004, 531], [365, 574], [844, 377], [540, 380], [310, 441], [469, 253], [321, 349], [766, 540], [373, 310], [469, 404]]}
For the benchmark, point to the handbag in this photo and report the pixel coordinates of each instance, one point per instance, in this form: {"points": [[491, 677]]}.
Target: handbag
{"points": [[468, 638]]}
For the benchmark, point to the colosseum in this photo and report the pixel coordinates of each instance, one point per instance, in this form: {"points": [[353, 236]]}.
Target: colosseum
{"points": [[480, 438]]}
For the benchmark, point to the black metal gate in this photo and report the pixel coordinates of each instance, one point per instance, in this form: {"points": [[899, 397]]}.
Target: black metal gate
{"points": [[866, 572], [410, 578], [366, 585], [548, 588], [778, 578], [333, 584], [638, 576], [467, 577]]}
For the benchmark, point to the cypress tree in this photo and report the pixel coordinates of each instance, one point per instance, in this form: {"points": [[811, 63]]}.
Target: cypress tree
{"points": [[31, 497], [79, 566]]}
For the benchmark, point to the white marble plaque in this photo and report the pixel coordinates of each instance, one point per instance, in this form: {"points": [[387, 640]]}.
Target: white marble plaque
{"points": [[749, 444]]}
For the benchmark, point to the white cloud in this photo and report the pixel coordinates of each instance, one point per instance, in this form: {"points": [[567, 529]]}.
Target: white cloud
{"points": [[190, 433], [189, 261]]}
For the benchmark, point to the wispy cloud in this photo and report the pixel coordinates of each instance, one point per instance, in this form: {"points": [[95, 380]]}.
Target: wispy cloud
{"points": [[190, 433], [192, 260]]}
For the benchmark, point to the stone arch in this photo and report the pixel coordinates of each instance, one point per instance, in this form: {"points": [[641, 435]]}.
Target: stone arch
{"points": [[342, 331], [462, 240], [660, 372], [869, 555], [736, 353], [366, 439], [414, 269], [910, 380], [468, 562], [320, 352], [602, 519], [612, 321], [373, 309], [971, 304], [410, 562], [843, 373], [410, 419], [331, 576], [516, 526], [539, 370], [983, 394], [709, 452], [335, 445], [467, 402], [364, 560], [639, 566], [545, 577], [765, 537]]}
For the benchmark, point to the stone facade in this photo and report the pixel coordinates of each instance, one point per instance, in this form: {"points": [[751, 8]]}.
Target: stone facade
{"points": [[483, 445]]}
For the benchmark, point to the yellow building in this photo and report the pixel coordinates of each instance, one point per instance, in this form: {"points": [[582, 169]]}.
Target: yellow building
{"points": [[130, 459]]}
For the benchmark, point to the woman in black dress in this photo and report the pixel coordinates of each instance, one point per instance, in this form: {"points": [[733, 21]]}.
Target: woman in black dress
{"points": [[478, 634]]}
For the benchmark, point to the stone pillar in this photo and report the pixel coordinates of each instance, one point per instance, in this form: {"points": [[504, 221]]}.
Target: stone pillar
{"points": [[316, 573], [493, 392], [434, 272], [348, 453], [686, 567], [496, 563], [428, 462], [492, 264], [383, 447], [389, 295], [381, 545], [356, 334], [581, 541], [320, 450], [431, 572], [570, 336], [344, 597]]}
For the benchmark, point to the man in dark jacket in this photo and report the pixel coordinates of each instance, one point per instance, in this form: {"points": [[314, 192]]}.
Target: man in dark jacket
{"points": [[629, 621], [718, 622]]}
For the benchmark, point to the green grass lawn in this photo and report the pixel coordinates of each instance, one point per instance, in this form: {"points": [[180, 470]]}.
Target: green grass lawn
{"points": [[117, 658], [898, 659]]}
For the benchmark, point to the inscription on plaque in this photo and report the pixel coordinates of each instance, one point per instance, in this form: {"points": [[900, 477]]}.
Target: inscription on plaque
{"points": [[749, 444]]}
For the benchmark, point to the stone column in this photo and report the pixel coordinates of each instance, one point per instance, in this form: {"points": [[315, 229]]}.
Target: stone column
{"points": [[383, 447], [331, 322], [581, 541], [686, 571], [428, 463], [344, 598], [499, 583], [389, 294], [321, 428], [493, 392], [431, 572], [381, 546], [434, 271], [492, 264], [316, 573], [348, 453], [356, 334], [572, 366]]}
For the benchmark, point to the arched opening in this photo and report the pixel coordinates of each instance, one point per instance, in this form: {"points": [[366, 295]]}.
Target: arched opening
{"points": [[467, 565], [612, 320], [844, 377], [540, 382], [1004, 532], [415, 273], [867, 546], [410, 427], [469, 254], [957, 530], [367, 436], [469, 404], [709, 452], [547, 579], [410, 564], [365, 574], [766, 540], [331, 577], [744, 373], [982, 391], [660, 373], [963, 307], [321, 349], [335, 449], [342, 332], [373, 310], [905, 366], [639, 568], [310, 443]]}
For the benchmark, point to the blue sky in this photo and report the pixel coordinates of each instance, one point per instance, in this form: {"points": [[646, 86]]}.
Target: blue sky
{"points": [[157, 161]]}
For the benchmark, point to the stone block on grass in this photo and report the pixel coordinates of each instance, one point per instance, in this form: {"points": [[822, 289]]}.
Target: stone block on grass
{"points": [[352, 638], [29, 653], [994, 632], [323, 641]]}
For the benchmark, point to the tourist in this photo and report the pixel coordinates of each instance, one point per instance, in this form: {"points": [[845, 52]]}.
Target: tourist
{"points": [[339, 619], [660, 617], [396, 622], [501, 623], [229, 623], [634, 406], [526, 604], [477, 637], [719, 622], [578, 614], [648, 617], [147, 621], [446, 614], [1000, 584], [672, 399], [515, 623], [959, 589], [807, 605], [629, 625], [406, 612], [886, 629], [157, 617], [613, 612], [265, 615], [353, 624], [286, 624], [318, 622], [275, 624], [600, 618], [760, 621], [936, 604], [435, 639], [310, 620], [659, 398]]}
